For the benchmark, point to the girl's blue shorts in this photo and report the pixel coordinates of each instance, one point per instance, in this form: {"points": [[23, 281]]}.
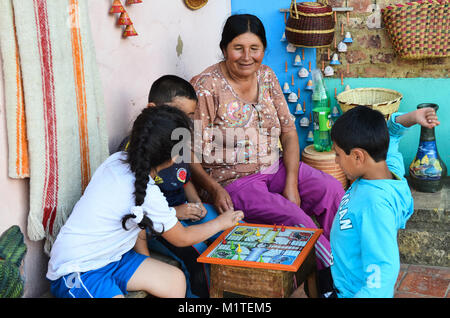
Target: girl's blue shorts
{"points": [[106, 282]]}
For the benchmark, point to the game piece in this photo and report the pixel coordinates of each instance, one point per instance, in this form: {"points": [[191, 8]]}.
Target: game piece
{"points": [[232, 245], [275, 227], [257, 232], [261, 259], [224, 241], [239, 250], [282, 228]]}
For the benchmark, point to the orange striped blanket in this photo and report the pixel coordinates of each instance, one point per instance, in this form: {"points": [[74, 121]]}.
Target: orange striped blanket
{"points": [[54, 104]]}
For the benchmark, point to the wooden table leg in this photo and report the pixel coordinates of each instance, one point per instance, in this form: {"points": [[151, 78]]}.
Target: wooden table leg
{"points": [[312, 285]]}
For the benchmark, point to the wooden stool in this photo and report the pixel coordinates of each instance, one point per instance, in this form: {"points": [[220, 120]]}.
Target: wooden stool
{"points": [[263, 283]]}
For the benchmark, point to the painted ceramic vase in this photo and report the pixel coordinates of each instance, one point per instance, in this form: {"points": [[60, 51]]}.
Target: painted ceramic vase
{"points": [[427, 170]]}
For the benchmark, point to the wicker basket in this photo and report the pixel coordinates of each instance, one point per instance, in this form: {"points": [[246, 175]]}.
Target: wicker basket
{"points": [[419, 29], [310, 24], [384, 100], [195, 4]]}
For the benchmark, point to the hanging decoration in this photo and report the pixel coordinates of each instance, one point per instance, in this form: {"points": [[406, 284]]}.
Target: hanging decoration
{"points": [[328, 71], [348, 37], [117, 7], [124, 19], [298, 61], [129, 31], [335, 60], [310, 24]]}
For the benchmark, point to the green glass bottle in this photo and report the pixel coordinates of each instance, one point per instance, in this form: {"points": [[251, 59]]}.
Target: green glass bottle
{"points": [[321, 113]]}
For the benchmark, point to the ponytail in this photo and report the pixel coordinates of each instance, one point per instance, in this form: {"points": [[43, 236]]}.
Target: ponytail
{"points": [[150, 145]]}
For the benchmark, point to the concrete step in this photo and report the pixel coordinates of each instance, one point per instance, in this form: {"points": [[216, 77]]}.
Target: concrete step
{"points": [[426, 239]]}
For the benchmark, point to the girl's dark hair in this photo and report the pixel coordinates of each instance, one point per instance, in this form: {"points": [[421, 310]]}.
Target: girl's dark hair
{"points": [[167, 87], [151, 145], [239, 24], [362, 127]]}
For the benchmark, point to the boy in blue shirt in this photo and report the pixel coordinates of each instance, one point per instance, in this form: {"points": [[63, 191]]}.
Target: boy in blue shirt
{"points": [[379, 202]]}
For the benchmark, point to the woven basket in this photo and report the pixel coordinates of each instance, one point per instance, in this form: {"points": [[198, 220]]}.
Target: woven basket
{"points": [[384, 100], [419, 29], [310, 24], [195, 4], [324, 161]]}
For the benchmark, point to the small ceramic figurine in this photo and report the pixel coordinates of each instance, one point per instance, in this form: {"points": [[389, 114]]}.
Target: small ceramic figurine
{"points": [[310, 137], [299, 109], [130, 31], [304, 122], [290, 48], [298, 61], [286, 88], [342, 47], [117, 7], [303, 72], [328, 71], [348, 37], [335, 60], [292, 98]]}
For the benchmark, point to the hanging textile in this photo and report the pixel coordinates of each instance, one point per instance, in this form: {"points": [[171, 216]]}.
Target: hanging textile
{"points": [[64, 109]]}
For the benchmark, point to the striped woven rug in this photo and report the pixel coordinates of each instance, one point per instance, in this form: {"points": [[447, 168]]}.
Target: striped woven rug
{"points": [[54, 104]]}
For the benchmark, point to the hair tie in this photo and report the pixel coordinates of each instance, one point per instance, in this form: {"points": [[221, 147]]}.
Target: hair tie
{"points": [[138, 212]]}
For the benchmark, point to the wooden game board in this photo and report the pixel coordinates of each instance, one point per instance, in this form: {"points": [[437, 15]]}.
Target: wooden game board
{"points": [[262, 246]]}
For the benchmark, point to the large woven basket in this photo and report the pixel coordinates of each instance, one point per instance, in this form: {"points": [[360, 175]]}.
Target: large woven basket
{"points": [[384, 100], [310, 24], [419, 29]]}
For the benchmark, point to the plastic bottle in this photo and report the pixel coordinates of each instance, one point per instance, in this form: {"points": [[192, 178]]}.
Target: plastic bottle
{"points": [[321, 113]]}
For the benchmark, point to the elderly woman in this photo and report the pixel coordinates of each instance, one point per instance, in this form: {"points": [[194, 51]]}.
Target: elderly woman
{"points": [[243, 114]]}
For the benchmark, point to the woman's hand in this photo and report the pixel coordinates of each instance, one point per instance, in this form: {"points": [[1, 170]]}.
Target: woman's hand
{"points": [[290, 192], [221, 199]]}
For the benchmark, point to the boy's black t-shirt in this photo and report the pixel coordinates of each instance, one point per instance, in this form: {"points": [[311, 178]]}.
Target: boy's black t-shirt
{"points": [[171, 181]]}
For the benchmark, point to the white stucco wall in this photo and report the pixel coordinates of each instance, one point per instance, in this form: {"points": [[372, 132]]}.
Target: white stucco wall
{"points": [[127, 67]]}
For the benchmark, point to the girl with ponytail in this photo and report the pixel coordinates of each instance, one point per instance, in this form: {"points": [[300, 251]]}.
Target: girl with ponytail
{"points": [[101, 251]]}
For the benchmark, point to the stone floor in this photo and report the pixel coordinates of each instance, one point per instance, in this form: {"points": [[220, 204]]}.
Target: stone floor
{"points": [[415, 281], [419, 281]]}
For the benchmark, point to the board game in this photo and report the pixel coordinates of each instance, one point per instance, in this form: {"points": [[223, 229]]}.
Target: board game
{"points": [[276, 247]]}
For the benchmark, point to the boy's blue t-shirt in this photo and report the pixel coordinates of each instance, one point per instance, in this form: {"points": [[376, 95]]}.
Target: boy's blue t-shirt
{"points": [[172, 180], [364, 232]]}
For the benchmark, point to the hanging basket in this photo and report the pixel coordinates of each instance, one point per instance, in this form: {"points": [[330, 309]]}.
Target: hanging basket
{"points": [[195, 4], [384, 100], [419, 29], [310, 24]]}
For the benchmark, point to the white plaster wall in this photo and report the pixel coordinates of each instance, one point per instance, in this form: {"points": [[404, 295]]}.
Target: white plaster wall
{"points": [[127, 67]]}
